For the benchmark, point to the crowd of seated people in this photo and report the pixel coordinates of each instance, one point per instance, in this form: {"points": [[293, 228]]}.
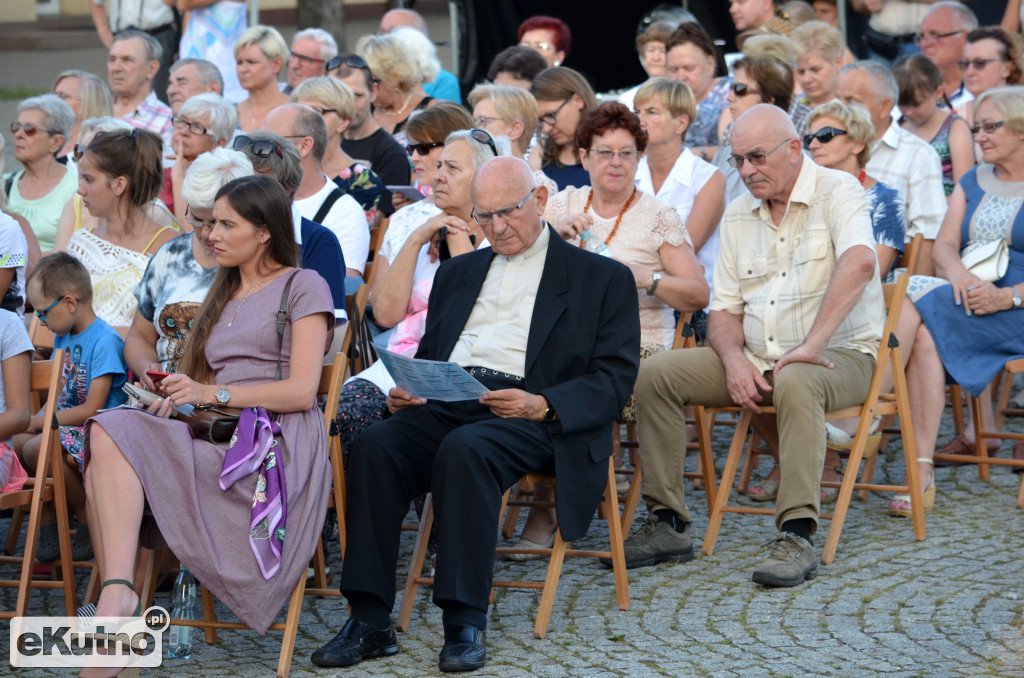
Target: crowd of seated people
{"points": [[771, 194]]}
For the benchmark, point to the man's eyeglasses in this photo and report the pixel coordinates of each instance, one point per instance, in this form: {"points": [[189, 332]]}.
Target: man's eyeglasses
{"points": [[422, 148], [755, 158], [823, 135], [987, 127], [193, 127], [42, 314], [482, 121], [305, 59], [482, 136], [261, 148], [742, 89], [921, 38], [198, 224], [29, 129], [324, 111], [979, 64], [552, 117], [605, 155], [485, 218], [352, 61]]}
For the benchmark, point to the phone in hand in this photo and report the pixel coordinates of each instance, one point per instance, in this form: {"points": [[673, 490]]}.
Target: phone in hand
{"points": [[157, 377], [143, 396]]}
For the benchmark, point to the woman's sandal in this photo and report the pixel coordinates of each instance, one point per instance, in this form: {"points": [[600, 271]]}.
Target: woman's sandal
{"points": [[900, 504], [111, 639], [768, 490]]}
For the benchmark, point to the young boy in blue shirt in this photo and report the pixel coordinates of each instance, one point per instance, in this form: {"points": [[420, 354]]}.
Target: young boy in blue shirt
{"points": [[92, 375]]}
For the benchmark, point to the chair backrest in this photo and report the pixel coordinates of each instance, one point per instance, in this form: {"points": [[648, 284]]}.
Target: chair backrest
{"points": [[39, 334], [685, 336], [911, 255], [361, 352], [376, 238]]}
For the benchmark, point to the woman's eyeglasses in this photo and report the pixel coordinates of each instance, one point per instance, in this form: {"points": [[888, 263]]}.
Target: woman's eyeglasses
{"points": [[742, 89], [823, 135], [193, 127], [552, 117], [482, 136], [422, 148], [198, 224], [29, 129], [605, 155], [979, 64], [323, 111], [482, 121], [755, 158], [986, 127], [259, 148]]}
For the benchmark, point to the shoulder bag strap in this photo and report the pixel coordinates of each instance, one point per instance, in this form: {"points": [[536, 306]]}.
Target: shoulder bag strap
{"points": [[325, 207], [282, 319]]}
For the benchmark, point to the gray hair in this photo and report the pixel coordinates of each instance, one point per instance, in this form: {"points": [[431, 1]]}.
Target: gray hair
{"points": [[965, 17], [220, 115], [482, 151], [206, 70], [421, 49], [287, 168], [57, 115], [211, 170], [309, 123], [154, 50], [97, 125], [328, 45], [883, 84]]}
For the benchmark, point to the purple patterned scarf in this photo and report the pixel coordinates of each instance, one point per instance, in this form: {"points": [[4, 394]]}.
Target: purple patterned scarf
{"points": [[254, 446]]}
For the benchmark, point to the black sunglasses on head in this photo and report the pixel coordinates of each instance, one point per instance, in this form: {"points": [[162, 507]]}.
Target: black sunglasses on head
{"points": [[482, 136], [352, 61], [259, 148], [823, 135]]}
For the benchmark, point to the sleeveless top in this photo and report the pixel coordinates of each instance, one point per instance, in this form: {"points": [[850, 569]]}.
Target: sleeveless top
{"points": [[115, 272], [941, 145], [398, 132], [704, 130]]}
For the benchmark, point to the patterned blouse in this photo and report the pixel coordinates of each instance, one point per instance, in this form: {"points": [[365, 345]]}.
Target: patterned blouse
{"points": [[363, 184], [704, 130]]}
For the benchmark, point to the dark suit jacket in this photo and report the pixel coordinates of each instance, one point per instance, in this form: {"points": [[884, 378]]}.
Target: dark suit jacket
{"points": [[582, 354]]}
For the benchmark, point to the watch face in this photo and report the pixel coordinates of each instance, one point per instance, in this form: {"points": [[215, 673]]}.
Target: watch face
{"points": [[223, 395]]}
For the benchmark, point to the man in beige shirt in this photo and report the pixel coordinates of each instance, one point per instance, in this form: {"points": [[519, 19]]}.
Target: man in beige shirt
{"points": [[795, 322]]}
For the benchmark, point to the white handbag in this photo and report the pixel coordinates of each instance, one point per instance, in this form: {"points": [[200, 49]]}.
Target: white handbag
{"points": [[986, 259]]}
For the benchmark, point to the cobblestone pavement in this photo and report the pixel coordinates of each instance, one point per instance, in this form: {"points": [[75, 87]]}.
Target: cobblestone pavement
{"points": [[887, 605]]}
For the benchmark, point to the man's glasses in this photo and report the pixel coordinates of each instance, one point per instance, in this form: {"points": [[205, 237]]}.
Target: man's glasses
{"points": [[261, 148], [605, 155], [352, 61], [755, 158], [193, 127], [823, 135], [305, 59], [921, 38], [979, 64], [482, 136], [742, 89], [987, 127], [29, 129], [323, 111], [482, 121], [552, 117], [422, 148], [197, 224], [42, 314], [485, 218]]}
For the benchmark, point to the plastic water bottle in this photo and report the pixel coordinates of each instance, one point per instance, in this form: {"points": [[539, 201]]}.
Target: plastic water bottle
{"points": [[185, 605], [594, 244]]}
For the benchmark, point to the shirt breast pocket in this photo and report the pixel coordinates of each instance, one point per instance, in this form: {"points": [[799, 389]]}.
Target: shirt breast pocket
{"points": [[812, 246], [752, 267]]}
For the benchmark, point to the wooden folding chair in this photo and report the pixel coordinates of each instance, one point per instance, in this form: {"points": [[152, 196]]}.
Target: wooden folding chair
{"points": [[876, 403], [557, 553], [376, 238], [46, 485], [361, 351], [1003, 384]]}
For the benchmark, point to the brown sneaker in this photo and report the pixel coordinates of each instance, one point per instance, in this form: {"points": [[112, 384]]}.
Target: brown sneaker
{"points": [[656, 542], [792, 560]]}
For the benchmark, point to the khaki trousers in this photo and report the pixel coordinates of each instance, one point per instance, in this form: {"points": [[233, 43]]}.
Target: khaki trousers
{"points": [[672, 380]]}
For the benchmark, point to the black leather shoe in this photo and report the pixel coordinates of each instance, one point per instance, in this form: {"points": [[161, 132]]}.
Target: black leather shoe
{"points": [[463, 649], [355, 642]]}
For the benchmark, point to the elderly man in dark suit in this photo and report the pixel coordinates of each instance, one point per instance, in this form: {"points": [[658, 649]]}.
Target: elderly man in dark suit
{"points": [[553, 332]]}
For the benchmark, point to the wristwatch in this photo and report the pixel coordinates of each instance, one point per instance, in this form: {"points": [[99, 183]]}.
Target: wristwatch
{"points": [[654, 285], [1016, 297], [223, 395], [549, 412]]}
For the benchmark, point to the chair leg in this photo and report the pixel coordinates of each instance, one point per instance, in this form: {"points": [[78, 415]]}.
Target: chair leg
{"points": [[728, 477], [706, 459], [319, 566], [957, 401], [151, 564], [547, 597], [210, 613], [512, 517], [633, 496], [14, 531], [419, 554], [615, 541], [980, 441], [291, 626]]}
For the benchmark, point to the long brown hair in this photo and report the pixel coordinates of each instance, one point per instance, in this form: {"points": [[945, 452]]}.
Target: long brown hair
{"points": [[558, 84], [261, 201]]}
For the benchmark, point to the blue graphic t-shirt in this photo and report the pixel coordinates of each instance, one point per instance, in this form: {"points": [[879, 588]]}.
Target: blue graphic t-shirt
{"points": [[97, 351]]}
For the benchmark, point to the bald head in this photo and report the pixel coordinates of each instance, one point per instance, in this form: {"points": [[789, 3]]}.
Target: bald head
{"points": [[765, 144], [402, 17], [499, 187], [765, 118], [302, 125]]}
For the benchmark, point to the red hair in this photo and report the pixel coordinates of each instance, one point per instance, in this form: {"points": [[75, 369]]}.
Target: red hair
{"points": [[562, 36], [606, 118]]}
